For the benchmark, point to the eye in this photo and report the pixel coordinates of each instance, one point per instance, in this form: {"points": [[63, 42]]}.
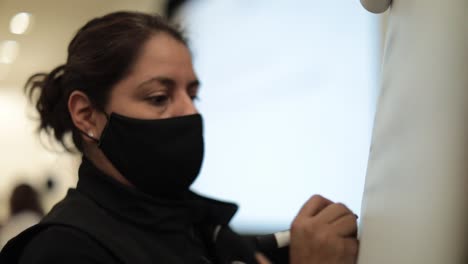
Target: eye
{"points": [[195, 98], [158, 100]]}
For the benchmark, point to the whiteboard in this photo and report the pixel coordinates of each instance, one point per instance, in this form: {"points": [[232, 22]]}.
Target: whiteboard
{"points": [[288, 96]]}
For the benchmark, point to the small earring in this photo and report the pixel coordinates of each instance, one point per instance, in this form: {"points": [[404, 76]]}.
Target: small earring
{"points": [[90, 134]]}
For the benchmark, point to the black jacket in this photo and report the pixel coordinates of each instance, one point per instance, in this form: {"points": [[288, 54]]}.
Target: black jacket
{"points": [[103, 221]]}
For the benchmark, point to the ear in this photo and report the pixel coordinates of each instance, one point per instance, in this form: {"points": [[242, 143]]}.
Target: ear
{"points": [[84, 116]]}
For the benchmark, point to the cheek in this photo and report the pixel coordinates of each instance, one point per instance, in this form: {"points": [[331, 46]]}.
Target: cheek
{"points": [[119, 100], [122, 102]]}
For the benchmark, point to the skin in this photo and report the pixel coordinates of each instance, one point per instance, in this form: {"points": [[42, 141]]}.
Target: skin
{"points": [[324, 232], [163, 84]]}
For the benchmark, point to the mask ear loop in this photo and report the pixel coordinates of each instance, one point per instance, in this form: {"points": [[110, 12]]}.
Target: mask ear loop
{"points": [[90, 135]]}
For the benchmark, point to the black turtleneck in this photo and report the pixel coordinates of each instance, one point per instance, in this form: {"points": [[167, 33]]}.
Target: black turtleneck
{"points": [[103, 221]]}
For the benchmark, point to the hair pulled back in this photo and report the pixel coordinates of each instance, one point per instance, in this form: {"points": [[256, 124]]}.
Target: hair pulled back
{"points": [[100, 55]]}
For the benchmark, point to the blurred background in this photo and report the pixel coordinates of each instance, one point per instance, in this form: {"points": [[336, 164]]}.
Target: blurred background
{"points": [[288, 95]]}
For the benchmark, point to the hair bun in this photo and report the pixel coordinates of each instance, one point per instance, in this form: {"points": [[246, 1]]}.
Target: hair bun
{"points": [[51, 102]]}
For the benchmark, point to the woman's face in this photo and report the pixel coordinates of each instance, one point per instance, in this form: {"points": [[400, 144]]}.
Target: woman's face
{"points": [[161, 84]]}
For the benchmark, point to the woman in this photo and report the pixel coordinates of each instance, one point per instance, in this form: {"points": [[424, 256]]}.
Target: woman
{"points": [[126, 96], [25, 211]]}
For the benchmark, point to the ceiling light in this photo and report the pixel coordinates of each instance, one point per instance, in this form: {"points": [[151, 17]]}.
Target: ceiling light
{"points": [[20, 23], [9, 50]]}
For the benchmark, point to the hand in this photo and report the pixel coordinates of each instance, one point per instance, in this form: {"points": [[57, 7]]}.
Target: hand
{"points": [[261, 259], [324, 232]]}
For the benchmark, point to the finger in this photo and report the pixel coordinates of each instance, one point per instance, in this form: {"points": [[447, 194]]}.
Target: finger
{"points": [[261, 259], [333, 212], [351, 246], [313, 206], [346, 226]]}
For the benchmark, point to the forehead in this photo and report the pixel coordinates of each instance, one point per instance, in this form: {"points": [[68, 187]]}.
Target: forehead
{"points": [[164, 55]]}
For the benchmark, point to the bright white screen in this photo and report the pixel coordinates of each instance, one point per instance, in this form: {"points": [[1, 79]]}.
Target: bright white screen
{"points": [[288, 95]]}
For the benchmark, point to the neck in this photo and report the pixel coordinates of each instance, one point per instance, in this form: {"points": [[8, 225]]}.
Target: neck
{"points": [[101, 162]]}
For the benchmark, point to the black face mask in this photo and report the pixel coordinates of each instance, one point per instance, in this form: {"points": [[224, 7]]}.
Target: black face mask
{"points": [[160, 157]]}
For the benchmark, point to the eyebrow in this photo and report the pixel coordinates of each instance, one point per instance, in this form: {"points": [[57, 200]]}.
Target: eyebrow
{"points": [[169, 83]]}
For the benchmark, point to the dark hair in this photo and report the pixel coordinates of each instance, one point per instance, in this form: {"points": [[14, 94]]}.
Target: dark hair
{"points": [[25, 198], [101, 54]]}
